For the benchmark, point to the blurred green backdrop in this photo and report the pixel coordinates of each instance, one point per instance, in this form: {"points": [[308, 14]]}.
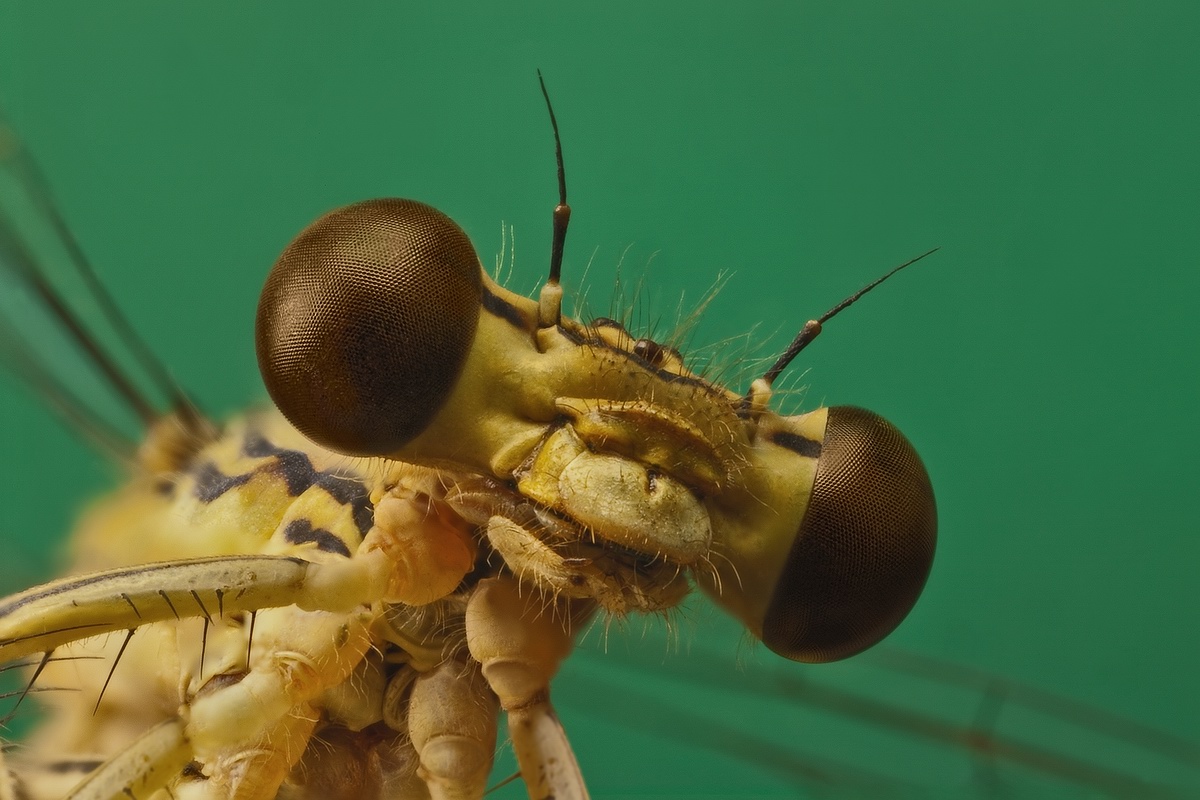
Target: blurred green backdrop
{"points": [[1044, 363]]}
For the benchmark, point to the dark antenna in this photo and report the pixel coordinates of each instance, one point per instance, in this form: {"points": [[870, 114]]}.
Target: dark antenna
{"points": [[550, 305], [812, 328]]}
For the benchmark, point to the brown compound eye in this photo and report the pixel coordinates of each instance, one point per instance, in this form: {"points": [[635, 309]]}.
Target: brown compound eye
{"points": [[365, 323], [864, 548]]}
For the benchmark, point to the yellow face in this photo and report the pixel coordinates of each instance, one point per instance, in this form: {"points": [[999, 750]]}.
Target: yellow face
{"points": [[824, 524], [459, 478]]}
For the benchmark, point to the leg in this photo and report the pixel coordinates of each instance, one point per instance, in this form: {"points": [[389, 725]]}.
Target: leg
{"points": [[520, 641]]}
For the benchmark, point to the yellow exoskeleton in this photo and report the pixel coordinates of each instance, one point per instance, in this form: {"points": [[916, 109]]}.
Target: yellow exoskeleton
{"points": [[335, 598]]}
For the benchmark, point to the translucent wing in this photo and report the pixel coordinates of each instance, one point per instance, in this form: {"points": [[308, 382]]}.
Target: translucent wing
{"points": [[59, 329], [654, 717]]}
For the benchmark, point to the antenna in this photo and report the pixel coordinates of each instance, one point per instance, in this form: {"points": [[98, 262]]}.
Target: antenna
{"points": [[550, 300], [756, 398]]}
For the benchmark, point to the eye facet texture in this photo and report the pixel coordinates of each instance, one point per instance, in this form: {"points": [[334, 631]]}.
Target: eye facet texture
{"points": [[864, 548], [365, 323]]}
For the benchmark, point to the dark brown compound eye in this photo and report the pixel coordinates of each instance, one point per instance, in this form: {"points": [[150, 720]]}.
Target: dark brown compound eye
{"points": [[864, 548], [365, 323]]}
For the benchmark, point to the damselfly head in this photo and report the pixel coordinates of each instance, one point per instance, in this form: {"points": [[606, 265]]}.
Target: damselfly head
{"points": [[379, 334]]}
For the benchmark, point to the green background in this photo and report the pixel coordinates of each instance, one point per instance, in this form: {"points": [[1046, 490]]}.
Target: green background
{"points": [[1044, 363]]}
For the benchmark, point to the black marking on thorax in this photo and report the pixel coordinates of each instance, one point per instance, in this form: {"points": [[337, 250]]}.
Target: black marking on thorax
{"points": [[211, 483], [298, 474], [301, 531]]}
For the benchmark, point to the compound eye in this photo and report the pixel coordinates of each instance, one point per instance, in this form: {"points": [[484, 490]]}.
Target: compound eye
{"points": [[864, 548], [365, 323]]}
